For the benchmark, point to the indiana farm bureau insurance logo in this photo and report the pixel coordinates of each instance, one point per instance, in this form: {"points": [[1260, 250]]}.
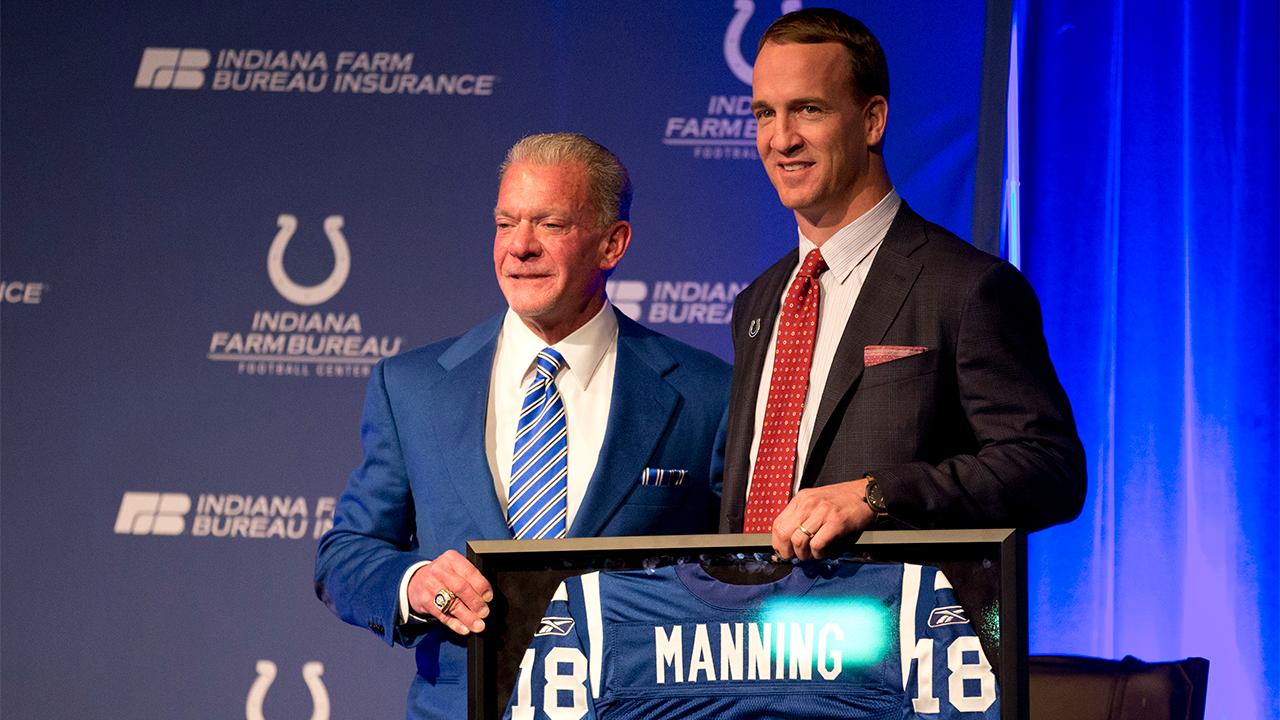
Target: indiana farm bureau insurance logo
{"points": [[675, 302], [224, 515], [346, 72], [724, 128], [22, 292], [304, 342]]}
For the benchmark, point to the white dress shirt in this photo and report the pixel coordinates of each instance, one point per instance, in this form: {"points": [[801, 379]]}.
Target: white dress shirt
{"points": [[586, 388], [849, 253]]}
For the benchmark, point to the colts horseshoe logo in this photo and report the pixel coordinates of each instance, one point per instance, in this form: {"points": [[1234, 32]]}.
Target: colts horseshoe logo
{"points": [[315, 294], [311, 673], [733, 35]]}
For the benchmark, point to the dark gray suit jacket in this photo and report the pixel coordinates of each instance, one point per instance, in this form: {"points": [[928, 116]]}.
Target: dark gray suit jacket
{"points": [[974, 432]]}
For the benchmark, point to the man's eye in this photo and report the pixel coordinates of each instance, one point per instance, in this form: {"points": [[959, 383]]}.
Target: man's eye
{"points": [[762, 114], [810, 110]]}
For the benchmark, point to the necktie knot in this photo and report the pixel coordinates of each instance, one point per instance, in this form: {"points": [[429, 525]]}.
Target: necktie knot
{"points": [[813, 265], [549, 362]]}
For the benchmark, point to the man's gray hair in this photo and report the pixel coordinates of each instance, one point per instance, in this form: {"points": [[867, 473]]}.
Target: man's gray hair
{"points": [[608, 184]]}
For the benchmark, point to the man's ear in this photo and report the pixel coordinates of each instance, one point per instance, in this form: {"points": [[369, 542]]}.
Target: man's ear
{"points": [[876, 117], [616, 240]]}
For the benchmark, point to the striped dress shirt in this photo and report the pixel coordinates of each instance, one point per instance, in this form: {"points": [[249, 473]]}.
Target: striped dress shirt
{"points": [[849, 253]]}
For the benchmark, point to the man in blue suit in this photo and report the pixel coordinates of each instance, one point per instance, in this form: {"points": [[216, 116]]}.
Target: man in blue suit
{"points": [[560, 417]]}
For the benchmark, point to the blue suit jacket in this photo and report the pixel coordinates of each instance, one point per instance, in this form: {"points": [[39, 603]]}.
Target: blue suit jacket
{"points": [[425, 486]]}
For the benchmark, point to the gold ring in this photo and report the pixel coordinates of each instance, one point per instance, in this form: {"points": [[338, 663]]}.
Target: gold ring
{"points": [[805, 530], [444, 600]]}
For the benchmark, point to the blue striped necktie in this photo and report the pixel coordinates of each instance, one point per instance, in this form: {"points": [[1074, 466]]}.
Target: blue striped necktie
{"points": [[537, 507]]}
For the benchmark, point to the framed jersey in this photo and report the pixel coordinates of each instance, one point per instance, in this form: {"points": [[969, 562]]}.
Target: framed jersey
{"points": [[927, 624]]}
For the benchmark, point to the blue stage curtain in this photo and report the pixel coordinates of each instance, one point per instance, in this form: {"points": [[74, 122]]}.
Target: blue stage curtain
{"points": [[1151, 230]]}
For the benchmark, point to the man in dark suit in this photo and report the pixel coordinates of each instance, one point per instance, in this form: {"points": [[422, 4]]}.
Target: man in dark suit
{"points": [[888, 372], [560, 417]]}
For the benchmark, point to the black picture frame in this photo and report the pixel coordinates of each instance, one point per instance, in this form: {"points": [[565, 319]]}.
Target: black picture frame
{"points": [[987, 569]]}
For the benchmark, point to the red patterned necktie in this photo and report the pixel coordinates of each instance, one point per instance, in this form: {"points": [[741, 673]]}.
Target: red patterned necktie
{"points": [[775, 468]]}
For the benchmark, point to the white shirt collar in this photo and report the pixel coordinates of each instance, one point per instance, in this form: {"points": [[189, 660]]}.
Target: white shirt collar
{"points": [[853, 243], [582, 349]]}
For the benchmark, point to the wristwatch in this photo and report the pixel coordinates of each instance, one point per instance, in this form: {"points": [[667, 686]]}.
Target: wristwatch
{"points": [[875, 498]]}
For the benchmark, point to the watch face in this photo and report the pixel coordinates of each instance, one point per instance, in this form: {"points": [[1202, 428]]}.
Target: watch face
{"points": [[875, 498]]}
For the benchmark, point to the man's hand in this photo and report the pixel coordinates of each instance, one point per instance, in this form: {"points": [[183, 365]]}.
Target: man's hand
{"points": [[827, 514], [453, 572]]}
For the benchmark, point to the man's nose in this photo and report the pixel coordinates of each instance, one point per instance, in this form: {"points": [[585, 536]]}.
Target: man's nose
{"points": [[523, 244], [785, 139]]}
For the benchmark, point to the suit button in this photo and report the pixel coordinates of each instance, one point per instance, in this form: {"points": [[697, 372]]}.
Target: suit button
{"points": [[376, 627]]}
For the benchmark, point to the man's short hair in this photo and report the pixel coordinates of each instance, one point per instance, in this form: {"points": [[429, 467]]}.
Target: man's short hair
{"points": [[870, 69], [608, 184]]}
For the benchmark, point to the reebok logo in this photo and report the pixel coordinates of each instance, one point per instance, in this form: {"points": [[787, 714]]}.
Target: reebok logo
{"points": [[172, 68], [950, 615], [147, 513], [554, 626]]}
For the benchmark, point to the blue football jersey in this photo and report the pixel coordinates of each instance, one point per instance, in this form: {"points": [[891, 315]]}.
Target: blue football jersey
{"points": [[829, 640]]}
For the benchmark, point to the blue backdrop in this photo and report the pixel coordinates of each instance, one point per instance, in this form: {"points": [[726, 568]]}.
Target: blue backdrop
{"points": [[216, 216], [177, 418], [1151, 231]]}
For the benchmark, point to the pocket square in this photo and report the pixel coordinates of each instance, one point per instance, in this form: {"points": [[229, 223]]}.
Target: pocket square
{"points": [[662, 476], [881, 354]]}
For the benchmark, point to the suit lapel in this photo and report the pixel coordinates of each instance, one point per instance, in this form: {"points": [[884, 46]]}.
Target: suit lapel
{"points": [[888, 283], [763, 310], [757, 309], [639, 412], [461, 404]]}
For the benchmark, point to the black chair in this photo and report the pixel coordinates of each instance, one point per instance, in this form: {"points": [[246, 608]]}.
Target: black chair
{"points": [[1066, 687]]}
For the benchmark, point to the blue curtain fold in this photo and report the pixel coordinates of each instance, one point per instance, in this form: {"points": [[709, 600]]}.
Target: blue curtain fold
{"points": [[1150, 180]]}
